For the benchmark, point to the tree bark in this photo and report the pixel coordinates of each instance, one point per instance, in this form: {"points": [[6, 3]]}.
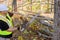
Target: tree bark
{"points": [[56, 35]]}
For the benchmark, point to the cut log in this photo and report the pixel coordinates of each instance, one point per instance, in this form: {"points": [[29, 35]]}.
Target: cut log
{"points": [[46, 23]]}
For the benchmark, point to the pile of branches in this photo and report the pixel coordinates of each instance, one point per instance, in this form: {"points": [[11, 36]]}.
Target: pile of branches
{"points": [[36, 28]]}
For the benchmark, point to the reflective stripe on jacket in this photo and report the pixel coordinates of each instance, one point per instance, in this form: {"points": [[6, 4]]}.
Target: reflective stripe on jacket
{"points": [[9, 22]]}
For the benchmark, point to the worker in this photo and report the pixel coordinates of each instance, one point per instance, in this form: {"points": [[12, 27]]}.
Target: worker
{"points": [[6, 23]]}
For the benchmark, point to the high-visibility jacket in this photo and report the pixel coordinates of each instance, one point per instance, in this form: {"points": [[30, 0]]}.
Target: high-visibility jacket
{"points": [[9, 22]]}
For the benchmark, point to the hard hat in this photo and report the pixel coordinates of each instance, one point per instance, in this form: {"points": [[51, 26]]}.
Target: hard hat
{"points": [[3, 7]]}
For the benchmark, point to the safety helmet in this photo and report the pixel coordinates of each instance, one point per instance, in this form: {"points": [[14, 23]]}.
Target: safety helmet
{"points": [[3, 7]]}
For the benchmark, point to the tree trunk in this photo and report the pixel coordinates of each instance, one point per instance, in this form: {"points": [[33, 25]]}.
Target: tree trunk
{"points": [[14, 5], [56, 35]]}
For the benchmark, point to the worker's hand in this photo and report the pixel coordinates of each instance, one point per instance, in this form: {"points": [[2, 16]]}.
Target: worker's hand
{"points": [[12, 29]]}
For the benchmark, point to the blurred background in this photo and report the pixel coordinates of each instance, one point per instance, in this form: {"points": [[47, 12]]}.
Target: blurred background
{"points": [[34, 19]]}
